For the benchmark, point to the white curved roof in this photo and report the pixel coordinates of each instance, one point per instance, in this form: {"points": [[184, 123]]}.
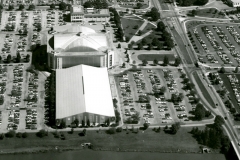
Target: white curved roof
{"points": [[80, 36], [82, 89]]}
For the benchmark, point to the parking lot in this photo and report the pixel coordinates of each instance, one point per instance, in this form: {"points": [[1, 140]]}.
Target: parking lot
{"points": [[141, 92], [218, 44]]}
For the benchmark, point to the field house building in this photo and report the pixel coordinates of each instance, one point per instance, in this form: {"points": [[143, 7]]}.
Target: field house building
{"points": [[79, 45], [80, 14], [83, 92]]}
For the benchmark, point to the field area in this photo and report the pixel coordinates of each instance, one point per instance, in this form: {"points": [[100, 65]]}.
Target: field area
{"points": [[203, 90], [130, 26], [159, 57], [147, 140], [208, 12]]}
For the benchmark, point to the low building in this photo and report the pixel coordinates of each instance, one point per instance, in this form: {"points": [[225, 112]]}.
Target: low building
{"points": [[80, 14], [83, 92], [235, 3]]}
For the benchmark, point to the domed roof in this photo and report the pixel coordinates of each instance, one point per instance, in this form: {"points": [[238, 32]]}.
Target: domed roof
{"points": [[82, 29]]}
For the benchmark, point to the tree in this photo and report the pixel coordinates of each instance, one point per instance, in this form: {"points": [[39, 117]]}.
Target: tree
{"points": [[18, 59], [83, 123], [150, 46], [177, 61], [62, 6], [161, 26], [88, 122], [84, 132], [199, 112], [185, 80], [119, 129], [1, 7], [9, 57], [119, 45], [111, 130], [10, 7], [218, 120], [236, 70], [123, 65], [138, 6], [163, 89], [62, 124], [1, 136], [52, 6], [222, 70], [24, 135], [42, 133], [194, 12], [129, 46], [165, 61], [154, 14], [19, 135], [27, 58], [140, 46], [145, 126], [76, 122], [155, 62], [87, 4], [31, 7], [173, 129], [21, 7], [144, 62]]}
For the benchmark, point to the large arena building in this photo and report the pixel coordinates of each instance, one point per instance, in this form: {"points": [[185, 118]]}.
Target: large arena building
{"points": [[83, 92], [79, 45]]}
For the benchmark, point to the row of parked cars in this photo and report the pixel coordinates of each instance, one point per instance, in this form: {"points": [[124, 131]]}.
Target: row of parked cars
{"points": [[125, 91], [31, 119], [11, 23], [32, 90], [16, 92], [51, 18], [13, 120], [235, 86], [202, 42]]}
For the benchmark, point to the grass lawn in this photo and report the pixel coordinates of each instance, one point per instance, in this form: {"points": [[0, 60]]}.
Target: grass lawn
{"points": [[227, 84], [129, 26], [203, 90], [159, 57], [150, 37], [149, 140], [209, 12], [148, 28]]}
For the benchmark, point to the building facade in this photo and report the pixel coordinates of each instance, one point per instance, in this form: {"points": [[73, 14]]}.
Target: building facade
{"points": [[80, 14]]}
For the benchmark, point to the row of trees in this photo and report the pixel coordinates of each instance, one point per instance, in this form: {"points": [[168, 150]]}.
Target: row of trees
{"points": [[117, 20], [191, 2], [12, 133], [96, 4], [21, 7], [213, 136], [154, 14]]}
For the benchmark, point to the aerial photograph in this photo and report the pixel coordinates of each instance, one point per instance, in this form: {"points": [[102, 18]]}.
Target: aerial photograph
{"points": [[120, 79]]}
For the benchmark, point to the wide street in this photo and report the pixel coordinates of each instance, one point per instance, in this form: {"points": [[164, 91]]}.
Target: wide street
{"points": [[185, 51]]}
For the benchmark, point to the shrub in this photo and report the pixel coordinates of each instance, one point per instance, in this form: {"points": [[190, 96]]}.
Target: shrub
{"points": [[42, 133], [119, 129], [19, 135], [24, 135], [10, 134], [1, 136], [111, 130]]}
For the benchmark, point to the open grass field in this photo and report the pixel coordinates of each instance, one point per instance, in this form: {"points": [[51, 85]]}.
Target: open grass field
{"points": [[159, 57], [130, 26], [209, 12], [149, 140], [148, 28], [154, 34], [227, 84], [203, 90]]}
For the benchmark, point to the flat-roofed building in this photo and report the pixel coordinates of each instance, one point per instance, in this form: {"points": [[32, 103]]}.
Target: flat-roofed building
{"points": [[83, 92], [80, 45], [80, 14]]}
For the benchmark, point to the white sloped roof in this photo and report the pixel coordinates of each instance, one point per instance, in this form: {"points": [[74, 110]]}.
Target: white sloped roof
{"points": [[82, 89]]}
